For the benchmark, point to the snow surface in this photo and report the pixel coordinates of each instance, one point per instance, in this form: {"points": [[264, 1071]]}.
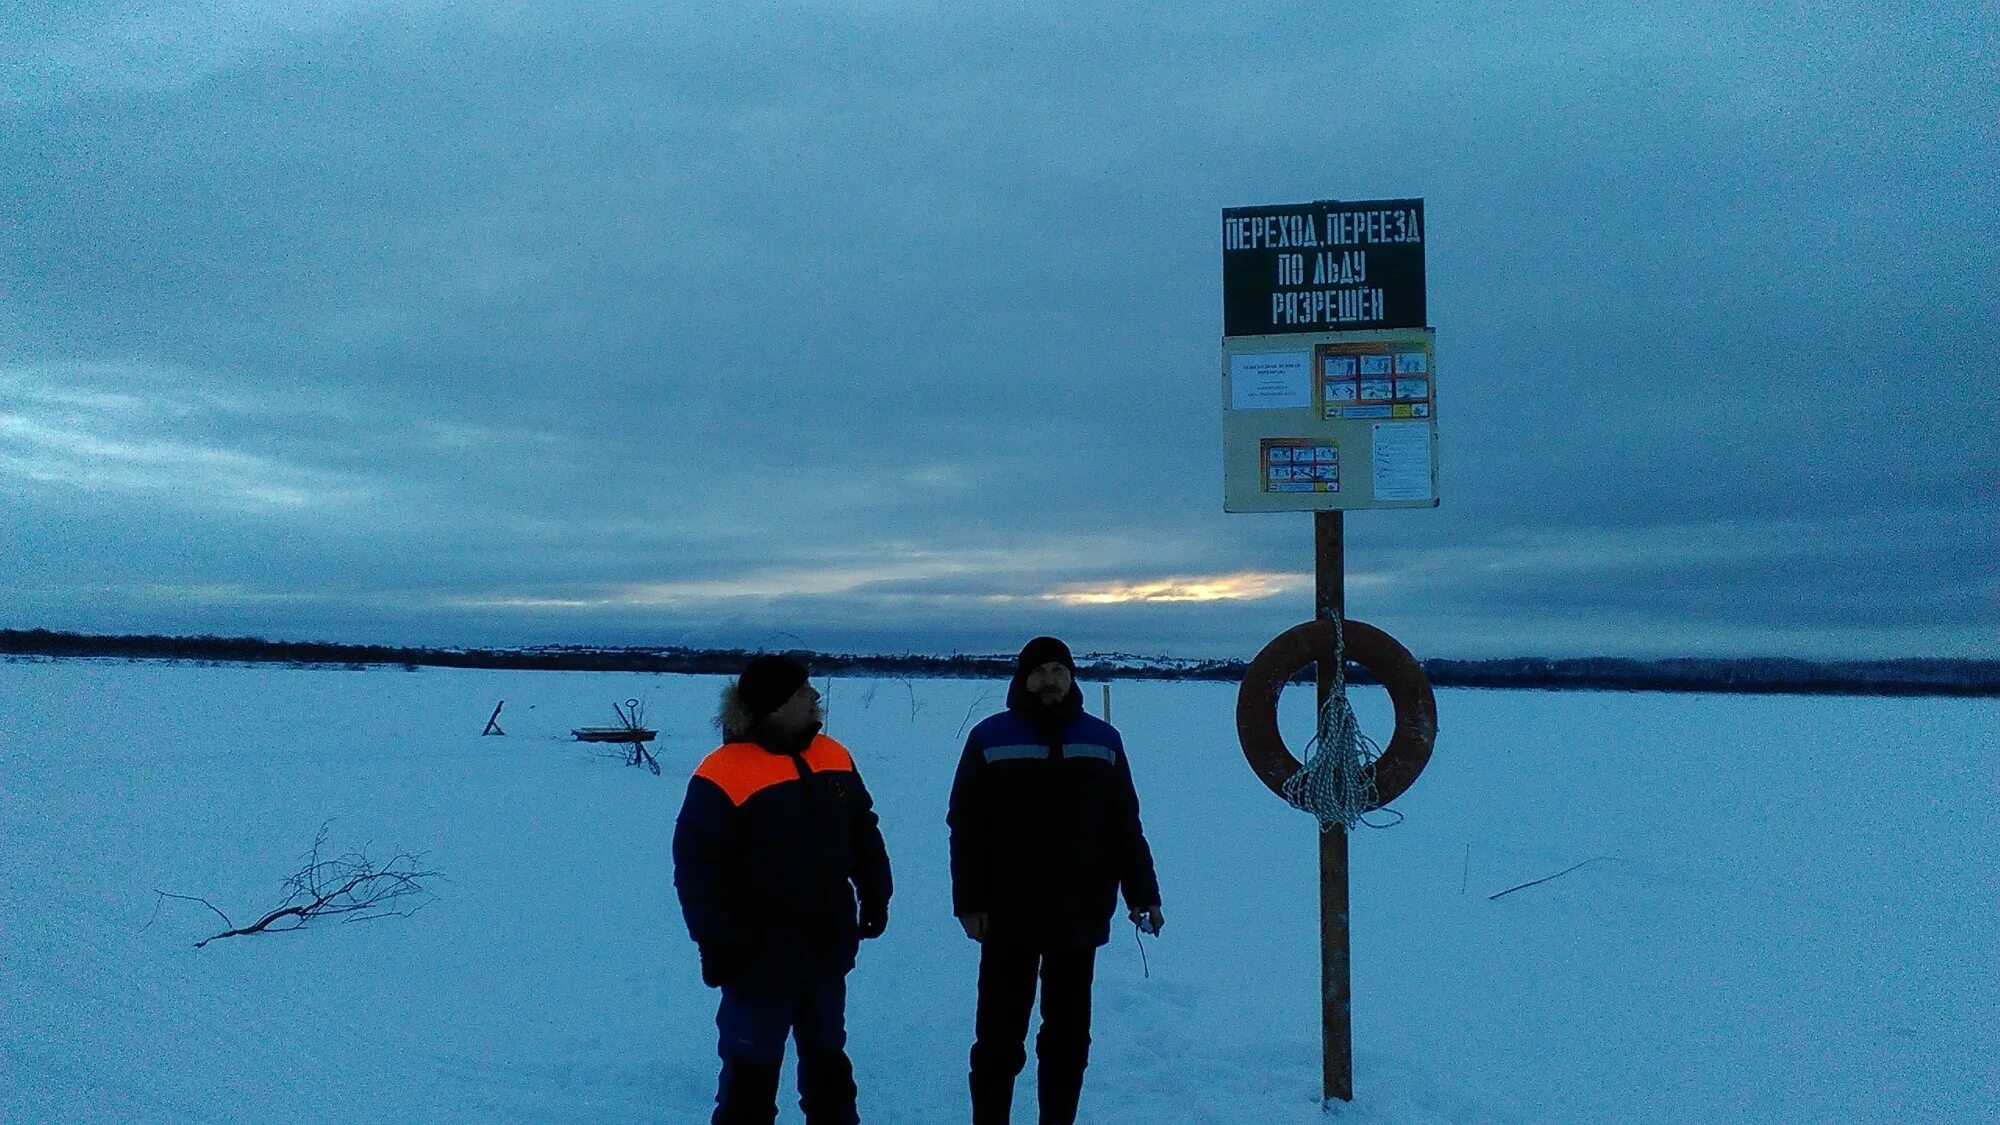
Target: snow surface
{"points": [[1798, 924]]}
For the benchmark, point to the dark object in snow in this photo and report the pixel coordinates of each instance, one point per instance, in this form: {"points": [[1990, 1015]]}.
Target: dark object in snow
{"points": [[631, 730], [614, 734], [493, 724], [1557, 875]]}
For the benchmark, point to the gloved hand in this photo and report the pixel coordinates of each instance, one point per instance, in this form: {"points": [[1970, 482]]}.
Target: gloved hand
{"points": [[721, 964], [1149, 919], [874, 919]]}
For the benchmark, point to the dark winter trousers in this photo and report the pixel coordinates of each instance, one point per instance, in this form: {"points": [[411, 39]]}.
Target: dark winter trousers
{"points": [[1062, 1047], [754, 1023]]}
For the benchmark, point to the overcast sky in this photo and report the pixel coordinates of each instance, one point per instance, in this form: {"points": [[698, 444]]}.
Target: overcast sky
{"points": [[886, 327]]}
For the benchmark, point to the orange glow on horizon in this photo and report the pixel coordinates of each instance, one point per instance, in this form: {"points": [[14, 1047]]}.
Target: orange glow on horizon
{"points": [[1247, 586]]}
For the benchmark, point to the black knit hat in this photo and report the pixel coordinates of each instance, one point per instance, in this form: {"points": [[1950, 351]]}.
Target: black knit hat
{"points": [[1040, 651], [767, 682]]}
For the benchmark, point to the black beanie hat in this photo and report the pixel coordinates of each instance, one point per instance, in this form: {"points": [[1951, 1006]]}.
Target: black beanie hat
{"points": [[766, 682], [1041, 651]]}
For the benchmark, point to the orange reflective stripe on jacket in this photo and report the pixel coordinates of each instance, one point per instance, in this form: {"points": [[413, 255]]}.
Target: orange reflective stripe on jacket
{"points": [[744, 769]]}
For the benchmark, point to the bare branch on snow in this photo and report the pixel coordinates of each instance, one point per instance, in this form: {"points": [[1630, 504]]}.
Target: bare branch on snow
{"points": [[352, 887], [1557, 875]]}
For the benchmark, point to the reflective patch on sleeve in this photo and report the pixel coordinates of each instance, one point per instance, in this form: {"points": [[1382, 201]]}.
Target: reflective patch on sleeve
{"points": [[1015, 753], [1091, 750]]}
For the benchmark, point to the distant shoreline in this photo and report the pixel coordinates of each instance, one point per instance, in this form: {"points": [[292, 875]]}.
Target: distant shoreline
{"points": [[1749, 675]]}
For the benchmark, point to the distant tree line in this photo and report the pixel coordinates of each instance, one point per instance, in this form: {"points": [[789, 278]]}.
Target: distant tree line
{"points": [[1762, 675]]}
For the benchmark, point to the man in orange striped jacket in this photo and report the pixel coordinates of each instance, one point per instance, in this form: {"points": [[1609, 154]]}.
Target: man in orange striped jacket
{"points": [[780, 868]]}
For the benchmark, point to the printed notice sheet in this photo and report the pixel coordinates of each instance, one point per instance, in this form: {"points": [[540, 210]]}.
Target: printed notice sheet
{"points": [[1402, 461], [1270, 381]]}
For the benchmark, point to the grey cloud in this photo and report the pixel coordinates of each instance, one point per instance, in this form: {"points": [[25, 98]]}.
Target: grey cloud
{"points": [[565, 305]]}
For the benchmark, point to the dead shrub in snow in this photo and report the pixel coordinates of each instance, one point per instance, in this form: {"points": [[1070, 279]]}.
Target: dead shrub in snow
{"points": [[352, 887]]}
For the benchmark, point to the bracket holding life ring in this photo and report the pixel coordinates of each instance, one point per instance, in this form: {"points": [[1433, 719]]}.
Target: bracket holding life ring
{"points": [[1409, 748]]}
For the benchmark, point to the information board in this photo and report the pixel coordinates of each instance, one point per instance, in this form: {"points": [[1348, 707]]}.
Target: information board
{"points": [[1329, 369], [1330, 421]]}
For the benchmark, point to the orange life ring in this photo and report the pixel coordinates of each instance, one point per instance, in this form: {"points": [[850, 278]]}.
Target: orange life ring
{"points": [[1409, 748]]}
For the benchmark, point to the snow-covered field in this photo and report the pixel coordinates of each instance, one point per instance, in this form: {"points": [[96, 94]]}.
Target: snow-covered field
{"points": [[1797, 922]]}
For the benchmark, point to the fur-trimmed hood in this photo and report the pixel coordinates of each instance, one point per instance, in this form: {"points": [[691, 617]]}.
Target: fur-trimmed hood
{"points": [[732, 718]]}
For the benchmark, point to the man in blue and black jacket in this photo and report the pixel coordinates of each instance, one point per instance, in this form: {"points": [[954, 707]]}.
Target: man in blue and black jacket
{"points": [[781, 872], [1044, 832]]}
